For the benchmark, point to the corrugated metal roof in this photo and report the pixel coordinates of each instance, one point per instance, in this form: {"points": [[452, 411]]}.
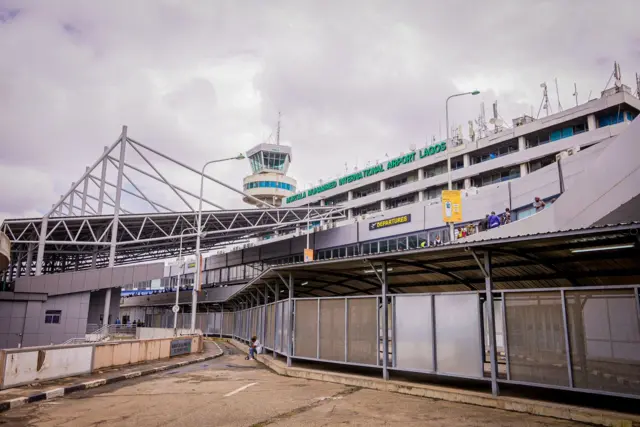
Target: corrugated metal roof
{"points": [[543, 260]]}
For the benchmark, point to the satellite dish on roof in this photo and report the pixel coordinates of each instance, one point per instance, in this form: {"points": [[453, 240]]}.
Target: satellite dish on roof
{"points": [[496, 121]]}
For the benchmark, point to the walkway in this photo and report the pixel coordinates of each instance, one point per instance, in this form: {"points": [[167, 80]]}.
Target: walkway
{"points": [[109, 375], [230, 391]]}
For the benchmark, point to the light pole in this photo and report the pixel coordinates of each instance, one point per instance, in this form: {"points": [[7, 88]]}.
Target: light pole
{"points": [[194, 292], [176, 309], [450, 185]]}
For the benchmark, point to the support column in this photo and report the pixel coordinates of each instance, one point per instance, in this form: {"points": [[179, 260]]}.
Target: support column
{"points": [[591, 122], [85, 189], [221, 319], [290, 322], [522, 145], [73, 184], [43, 237], [114, 225], [27, 267], [385, 327], [275, 317], [492, 325]]}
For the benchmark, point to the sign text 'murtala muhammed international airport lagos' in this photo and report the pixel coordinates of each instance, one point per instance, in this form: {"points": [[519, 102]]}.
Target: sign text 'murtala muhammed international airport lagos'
{"points": [[374, 170]]}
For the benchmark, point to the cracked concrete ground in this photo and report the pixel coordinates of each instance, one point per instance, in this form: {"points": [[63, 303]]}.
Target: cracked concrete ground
{"points": [[230, 391]]}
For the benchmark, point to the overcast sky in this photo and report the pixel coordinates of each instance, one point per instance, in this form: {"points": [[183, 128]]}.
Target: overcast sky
{"points": [[354, 80]]}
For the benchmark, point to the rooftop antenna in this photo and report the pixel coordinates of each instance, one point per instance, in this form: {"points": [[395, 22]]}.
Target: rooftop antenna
{"points": [[558, 95], [617, 74], [575, 93], [278, 130], [482, 122], [638, 85], [496, 121], [346, 167], [472, 133], [545, 100]]}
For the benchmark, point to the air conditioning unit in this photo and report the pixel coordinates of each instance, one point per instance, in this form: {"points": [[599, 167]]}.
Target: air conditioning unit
{"points": [[562, 155], [573, 150]]}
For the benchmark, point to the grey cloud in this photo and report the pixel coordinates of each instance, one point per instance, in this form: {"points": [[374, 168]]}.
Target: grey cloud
{"points": [[354, 80]]}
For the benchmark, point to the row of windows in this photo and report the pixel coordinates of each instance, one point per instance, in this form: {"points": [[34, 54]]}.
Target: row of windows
{"points": [[412, 241], [270, 184], [533, 140], [495, 153], [496, 177], [267, 160]]}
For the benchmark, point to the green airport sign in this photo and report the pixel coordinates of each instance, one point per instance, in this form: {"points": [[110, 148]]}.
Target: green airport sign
{"points": [[374, 170]]}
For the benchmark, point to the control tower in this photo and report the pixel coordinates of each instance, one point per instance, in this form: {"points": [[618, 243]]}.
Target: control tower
{"points": [[269, 181]]}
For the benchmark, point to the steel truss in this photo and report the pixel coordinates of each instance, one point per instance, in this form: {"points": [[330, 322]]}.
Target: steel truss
{"points": [[90, 228]]}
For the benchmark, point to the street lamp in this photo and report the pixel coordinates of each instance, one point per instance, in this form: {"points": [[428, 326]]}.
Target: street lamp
{"points": [[449, 187], [177, 306], [194, 293]]}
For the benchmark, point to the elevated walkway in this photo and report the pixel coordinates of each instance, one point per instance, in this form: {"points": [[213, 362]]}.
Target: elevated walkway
{"points": [[607, 192]]}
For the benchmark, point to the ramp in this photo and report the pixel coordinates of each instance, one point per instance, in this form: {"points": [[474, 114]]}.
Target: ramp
{"points": [[607, 192]]}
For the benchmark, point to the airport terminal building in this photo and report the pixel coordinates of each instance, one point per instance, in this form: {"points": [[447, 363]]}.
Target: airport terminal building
{"points": [[395, 205]]}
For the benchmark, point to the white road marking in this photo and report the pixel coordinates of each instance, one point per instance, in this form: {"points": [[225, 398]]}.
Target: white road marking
{"points": [[244, 387]]}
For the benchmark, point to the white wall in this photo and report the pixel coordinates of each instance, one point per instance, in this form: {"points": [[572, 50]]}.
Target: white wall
{"points": [[22, 367]]}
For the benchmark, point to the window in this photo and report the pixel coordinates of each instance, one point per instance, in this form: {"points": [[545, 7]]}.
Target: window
{"points": [[457, 164], [52, 316], [610, 119], [393, 245], [435, 170], [413, 242], [402, 243]]}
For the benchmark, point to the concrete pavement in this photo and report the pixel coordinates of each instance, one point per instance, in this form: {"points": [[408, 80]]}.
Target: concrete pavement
{"points": [[231, 391], [18, 396]]}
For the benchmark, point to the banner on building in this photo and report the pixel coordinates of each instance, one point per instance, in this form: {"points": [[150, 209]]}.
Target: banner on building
{"points": [[308, 255], [451, 206], [384, 223]]}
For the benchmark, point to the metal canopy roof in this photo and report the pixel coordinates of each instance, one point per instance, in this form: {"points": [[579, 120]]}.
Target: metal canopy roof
{"points": [[547, 260], [153, 236]]}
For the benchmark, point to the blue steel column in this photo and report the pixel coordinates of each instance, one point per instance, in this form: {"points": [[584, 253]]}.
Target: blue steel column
{"points": [[290, 322], [492, 324], [385, 329]]}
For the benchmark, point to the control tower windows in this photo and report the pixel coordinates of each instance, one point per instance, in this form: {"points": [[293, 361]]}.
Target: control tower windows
{"points": [[274, 160]]}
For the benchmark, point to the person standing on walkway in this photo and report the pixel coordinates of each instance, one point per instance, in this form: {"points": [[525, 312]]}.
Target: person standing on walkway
{"points": [[506, 217], [494, 221]]}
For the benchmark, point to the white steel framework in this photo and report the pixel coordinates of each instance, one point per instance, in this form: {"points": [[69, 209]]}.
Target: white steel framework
{"points": [[116, 213]]}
